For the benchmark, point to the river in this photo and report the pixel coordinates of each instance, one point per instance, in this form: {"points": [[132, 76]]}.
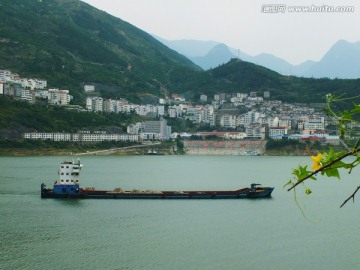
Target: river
{"points": [[270, 233]]}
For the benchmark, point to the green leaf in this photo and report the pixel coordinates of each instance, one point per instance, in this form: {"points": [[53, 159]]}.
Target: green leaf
{"points": [[308, 191], [332, 172]]}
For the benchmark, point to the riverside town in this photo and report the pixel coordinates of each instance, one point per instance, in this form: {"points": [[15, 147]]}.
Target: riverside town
{"points": [[233, 116]]}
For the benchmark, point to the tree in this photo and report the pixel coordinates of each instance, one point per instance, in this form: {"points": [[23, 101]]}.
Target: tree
{"points": [[329, 163]]}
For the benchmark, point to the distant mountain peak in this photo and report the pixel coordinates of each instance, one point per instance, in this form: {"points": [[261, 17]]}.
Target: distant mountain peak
{"points": [[341, 61], [220, 49], [219, 54]]}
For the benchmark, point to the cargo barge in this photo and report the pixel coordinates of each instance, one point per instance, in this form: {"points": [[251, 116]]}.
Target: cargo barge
{"points": [[68, 186]]}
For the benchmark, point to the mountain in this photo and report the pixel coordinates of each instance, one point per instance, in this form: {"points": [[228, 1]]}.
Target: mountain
{"points": [[68, 42], [242, 76], [341, 61], [189, 47], [301, 69], [272, 62], [218, 55]]}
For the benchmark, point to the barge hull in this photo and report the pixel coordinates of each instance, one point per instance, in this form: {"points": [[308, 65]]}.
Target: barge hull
{"points": [[245, 194]]}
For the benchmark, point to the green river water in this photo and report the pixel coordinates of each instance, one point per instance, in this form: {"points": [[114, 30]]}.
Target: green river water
{"points": [[270, 233]]}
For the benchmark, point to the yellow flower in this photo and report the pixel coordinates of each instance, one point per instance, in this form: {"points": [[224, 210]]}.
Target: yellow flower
{"points": [[317, 162]]}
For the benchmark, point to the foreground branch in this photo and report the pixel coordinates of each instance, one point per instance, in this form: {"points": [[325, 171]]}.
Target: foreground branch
{"points": [[352, 196], [352, 152]]}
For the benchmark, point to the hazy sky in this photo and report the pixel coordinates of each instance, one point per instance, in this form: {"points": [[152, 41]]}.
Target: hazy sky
{"points": [[247, 25]]}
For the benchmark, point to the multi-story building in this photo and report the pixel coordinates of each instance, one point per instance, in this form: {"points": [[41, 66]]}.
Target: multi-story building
{"points": [[255, 132], [203, 98], [109, 105], [62, 136], [172, 111], [6, 76], [158, 127], [97, 104], [251, 117], [89, 103], [89, 88], [33, 83], [28, 95], [227, 120], [277, 132], [209, 115], [81, 136], [314, 123], [59, 97], [160, 110]]}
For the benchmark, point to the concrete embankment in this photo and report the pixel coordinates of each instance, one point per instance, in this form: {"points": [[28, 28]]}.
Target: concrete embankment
{"points": [[235, 147], [157, 147]]}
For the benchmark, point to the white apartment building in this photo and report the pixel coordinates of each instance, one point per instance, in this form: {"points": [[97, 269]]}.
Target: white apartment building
{"points": [[33, 83], [314, 123], [149, 136], [81, 137], [172, 111], [255, 132], [122, 107], [242, 95], [277, 132], [158, 127], [109, 105], [89, 88], [97, 104], [251, 117], [89, 103], [6, 76], [160, 110], [203, 98], [62, 137], [59, 97], [227, 120], [28, 95]]}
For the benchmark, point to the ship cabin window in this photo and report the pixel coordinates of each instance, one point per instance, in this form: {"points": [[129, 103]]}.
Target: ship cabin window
{"points": [[62, 167], [67, 173], [62, 173], [67, 167], [62, 180], [67, 180], [72, 181], [77, 181]]}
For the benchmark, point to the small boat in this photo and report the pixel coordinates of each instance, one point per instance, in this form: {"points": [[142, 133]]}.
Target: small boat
{"points": [[153, 153], [68, 186]]}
